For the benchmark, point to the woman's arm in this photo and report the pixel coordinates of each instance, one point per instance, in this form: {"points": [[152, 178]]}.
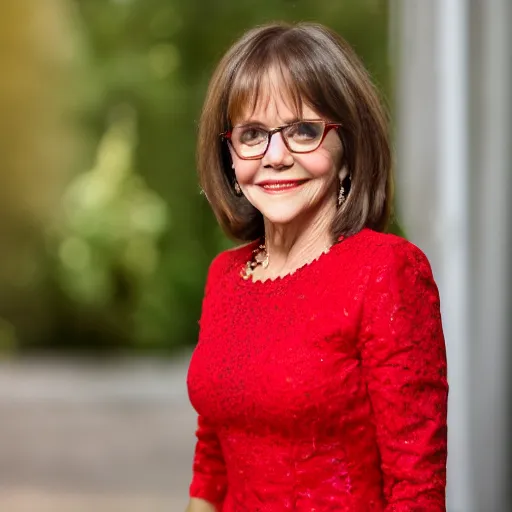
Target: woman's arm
{"points": [[199, 505], [209, 481], [404, 361]]}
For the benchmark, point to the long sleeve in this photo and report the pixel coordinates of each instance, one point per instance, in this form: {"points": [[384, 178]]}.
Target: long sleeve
{"points": [[404, 363], [209, 480]]}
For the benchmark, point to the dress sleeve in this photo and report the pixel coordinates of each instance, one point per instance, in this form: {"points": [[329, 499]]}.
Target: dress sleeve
{"points": [[209, 480], [404, 362]]}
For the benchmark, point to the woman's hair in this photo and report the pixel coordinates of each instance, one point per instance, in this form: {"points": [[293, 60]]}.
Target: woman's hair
{"points": [[318, 68]]}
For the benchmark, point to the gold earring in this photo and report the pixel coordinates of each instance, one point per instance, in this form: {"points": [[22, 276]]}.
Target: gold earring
{"points": [[238, 190], [341, 196]]}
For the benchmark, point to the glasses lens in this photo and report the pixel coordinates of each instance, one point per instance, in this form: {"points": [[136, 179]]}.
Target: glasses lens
{"points": [[249, 141], [304, 136]]}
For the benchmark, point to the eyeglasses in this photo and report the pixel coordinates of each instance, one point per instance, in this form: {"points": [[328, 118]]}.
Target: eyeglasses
{"points": [[250, 142]]}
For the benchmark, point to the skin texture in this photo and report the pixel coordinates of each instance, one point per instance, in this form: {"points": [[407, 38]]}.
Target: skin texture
{"points": [[297, 220], [199, 505]]}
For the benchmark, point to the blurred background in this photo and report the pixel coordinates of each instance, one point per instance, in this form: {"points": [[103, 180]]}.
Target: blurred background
{"points": [[105, 239]]}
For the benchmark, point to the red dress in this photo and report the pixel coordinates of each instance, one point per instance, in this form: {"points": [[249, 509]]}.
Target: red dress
{"points": [[324, 390]]}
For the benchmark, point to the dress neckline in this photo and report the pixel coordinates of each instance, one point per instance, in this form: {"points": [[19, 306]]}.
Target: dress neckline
{"points": [[290, 276]]}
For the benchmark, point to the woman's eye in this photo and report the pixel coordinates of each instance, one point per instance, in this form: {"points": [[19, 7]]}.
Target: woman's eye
{"points": [[305, 130], [252, 136]]}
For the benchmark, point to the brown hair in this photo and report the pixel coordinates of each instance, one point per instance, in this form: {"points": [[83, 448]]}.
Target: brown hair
{"points": [[319, 68]]}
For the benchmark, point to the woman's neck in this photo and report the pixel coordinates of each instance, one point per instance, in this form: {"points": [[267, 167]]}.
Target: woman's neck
{"points": [[292, 246]]}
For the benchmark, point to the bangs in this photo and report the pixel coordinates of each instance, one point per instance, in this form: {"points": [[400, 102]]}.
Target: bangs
{"points": [[258, 80]]}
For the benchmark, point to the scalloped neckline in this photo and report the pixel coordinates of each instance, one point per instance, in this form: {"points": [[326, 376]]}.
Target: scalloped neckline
{"points": [[290, 275]]}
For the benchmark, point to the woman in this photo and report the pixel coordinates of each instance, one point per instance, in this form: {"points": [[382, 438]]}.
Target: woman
{"points": [[319, 377]]}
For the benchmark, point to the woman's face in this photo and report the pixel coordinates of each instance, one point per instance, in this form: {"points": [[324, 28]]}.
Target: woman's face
{"points": [[286, 186]]}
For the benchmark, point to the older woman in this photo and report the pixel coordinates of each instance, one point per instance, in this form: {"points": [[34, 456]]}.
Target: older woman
{"points": [[319, 377]]}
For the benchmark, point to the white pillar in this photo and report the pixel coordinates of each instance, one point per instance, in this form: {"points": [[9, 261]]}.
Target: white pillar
{"points": [[491, 277], [452, 232], [454, 185]]}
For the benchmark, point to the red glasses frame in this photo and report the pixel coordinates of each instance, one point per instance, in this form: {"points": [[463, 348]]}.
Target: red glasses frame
{"points": [[327, 128]]}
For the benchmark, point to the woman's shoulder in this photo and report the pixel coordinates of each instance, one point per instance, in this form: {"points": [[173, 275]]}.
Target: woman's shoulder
{"points": [[388, 249], [393, 252], [230, 258]]}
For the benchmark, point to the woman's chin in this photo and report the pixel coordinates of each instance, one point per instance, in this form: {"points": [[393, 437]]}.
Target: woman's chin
{"points": [[281, 215], [287, 212]]}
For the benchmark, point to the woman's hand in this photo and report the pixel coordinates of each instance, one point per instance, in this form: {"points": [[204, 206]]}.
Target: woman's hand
{"points": [[199, 505]]}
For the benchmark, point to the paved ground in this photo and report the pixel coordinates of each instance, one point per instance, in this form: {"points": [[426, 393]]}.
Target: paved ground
{"points": [[77, 436]]}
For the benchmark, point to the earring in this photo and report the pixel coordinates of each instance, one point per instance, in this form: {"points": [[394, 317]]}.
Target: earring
{"points": [[341, 196], [238, 190]]}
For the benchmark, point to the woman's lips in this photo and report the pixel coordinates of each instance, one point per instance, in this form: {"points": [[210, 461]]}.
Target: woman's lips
{"points": [[281, 185]]}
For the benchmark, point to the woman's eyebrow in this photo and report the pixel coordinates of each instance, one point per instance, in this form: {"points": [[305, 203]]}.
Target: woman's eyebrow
{"points": [[250, 122], [255, 122]]}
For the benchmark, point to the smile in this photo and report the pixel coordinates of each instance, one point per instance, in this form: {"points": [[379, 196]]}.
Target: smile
{"points": [[280, 186]]}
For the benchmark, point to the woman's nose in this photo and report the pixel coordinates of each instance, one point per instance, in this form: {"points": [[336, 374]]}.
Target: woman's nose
{"points": [[277, 154]]}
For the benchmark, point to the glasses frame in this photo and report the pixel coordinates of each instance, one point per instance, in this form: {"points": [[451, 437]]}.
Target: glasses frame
{"points": [[327, 128]]}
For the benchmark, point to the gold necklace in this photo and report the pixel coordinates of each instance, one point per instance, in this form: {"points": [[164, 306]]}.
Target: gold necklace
{"points": [[260, 256]]}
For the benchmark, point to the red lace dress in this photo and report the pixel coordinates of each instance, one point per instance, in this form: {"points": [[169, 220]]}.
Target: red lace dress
{"points": [[324, 390]]}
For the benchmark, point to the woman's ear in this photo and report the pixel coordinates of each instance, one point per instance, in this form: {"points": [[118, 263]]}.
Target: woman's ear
{"points": [[345, 179], [343, 173], [344, 147], [231, 155], [227, 159]]}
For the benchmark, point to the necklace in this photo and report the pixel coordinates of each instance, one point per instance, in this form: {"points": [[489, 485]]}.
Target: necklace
{"points": [[260, 256]]}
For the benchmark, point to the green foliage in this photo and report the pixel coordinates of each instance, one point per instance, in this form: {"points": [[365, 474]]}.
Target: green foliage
{"points": [[111, 228], [137, 237]]}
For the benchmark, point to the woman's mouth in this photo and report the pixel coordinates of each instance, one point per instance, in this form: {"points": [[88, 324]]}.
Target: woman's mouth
{"points": [[275, 186]]}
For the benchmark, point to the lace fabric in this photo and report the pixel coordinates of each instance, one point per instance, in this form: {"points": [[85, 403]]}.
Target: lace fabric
{"points": [[324, 390]]}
